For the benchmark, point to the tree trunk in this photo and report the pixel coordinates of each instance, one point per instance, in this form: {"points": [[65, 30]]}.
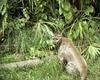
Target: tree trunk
{"points": [[21, 64], [27, 63]]}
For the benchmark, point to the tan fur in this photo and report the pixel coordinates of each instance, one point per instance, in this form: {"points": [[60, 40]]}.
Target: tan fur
{"points": [[71, 59]]}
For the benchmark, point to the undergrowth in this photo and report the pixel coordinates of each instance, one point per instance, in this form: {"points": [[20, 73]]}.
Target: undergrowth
{"points": [[50, 70]]}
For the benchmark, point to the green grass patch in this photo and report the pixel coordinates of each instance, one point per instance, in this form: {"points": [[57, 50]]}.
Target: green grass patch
{"points": [[50, 70], [11, 58]]}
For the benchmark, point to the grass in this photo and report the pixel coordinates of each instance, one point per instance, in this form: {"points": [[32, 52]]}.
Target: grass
{"points": [[50, 70]]}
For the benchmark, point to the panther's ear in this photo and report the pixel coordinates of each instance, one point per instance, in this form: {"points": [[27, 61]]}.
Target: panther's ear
{"points": [[58, 34]]}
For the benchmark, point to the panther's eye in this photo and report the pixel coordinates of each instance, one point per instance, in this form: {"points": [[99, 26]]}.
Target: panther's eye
{"points": [[55, 38]]}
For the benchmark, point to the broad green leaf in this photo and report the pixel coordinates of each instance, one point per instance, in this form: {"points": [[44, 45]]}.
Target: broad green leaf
{"points": [[4, 10], [89, 9], [66, 6], [74, 9], [44, 16], [60, 11], [80, 29], [2, 3], [76, 33], [85, 25], [1, 6], [25, 13], [68, 16], [59, 23]]}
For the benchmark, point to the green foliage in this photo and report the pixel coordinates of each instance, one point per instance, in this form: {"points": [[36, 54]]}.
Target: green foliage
{"points": [[42, 34], [93, 51], [50, 70], [66, 9], [89, 9], [29, 24], [3, 13], [86, 30], [46, 71]]}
